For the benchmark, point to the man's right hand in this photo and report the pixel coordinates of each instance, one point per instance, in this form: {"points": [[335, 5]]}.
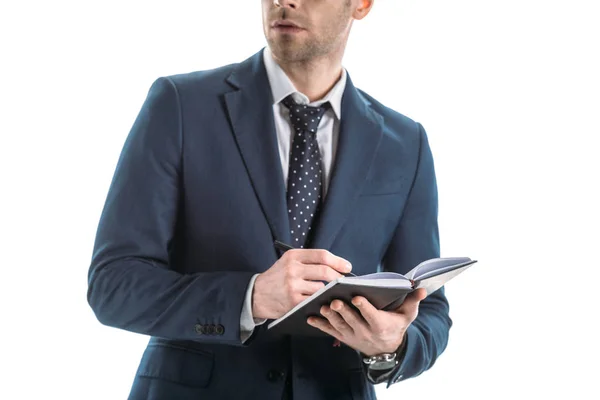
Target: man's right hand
{"points": [[294, 277]]}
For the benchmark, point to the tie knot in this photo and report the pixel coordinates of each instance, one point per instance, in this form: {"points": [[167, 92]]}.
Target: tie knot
{"points": [[305, 118]]}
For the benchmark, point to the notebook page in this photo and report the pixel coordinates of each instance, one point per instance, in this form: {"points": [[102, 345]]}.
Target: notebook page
{"points": [[435, 266], [378, 282], [380, 275]]}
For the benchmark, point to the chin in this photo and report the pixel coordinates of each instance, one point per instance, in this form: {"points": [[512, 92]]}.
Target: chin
{"points": [[287, 50]]}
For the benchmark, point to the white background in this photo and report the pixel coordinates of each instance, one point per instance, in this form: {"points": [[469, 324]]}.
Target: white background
{"points": [[508, 91]]}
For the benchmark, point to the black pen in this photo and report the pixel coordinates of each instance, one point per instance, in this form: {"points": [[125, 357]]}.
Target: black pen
{"points": [[282, 246], [285, 247]]}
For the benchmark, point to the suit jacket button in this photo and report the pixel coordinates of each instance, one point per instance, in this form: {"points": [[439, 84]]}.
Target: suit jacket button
{"points": [[199, 329], [220, 329], [211, 329], [204, 329]]}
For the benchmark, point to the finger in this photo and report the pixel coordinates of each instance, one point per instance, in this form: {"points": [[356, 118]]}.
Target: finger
{"points": [[336, 321], [298, 298], [411, 303], [320, 256], [352, 318], [319, 272], [420, 294], [309, 287], [368, 311], [325, 326]]}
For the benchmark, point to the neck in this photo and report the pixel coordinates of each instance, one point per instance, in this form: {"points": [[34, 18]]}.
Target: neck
{"points": [[314, 77]]}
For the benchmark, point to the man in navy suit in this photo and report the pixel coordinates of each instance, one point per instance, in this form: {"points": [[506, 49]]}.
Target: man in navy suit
{"points": [[218, 165]]}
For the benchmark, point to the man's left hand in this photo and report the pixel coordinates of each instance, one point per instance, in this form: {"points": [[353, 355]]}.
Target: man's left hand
{"points": [[371, 331]]}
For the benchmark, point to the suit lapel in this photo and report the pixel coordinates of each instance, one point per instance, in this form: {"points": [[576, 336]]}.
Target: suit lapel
{"points": [[358, 141], [250, 112]]}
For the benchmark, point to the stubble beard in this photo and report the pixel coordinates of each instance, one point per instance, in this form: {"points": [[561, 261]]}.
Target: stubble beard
{"points": [[291, 49]]}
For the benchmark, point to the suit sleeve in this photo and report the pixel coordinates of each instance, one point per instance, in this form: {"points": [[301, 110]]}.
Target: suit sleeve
{"points": [[417, 239], [131, 284]]}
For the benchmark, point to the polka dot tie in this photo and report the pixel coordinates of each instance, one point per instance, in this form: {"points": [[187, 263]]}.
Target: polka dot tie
{"points": [[304, 176]]}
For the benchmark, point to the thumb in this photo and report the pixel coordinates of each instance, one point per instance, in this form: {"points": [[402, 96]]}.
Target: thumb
{"points": [[411, 302], [420, 294]]}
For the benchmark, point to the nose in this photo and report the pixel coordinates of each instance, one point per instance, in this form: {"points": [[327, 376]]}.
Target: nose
{"points": [[285, 3]]}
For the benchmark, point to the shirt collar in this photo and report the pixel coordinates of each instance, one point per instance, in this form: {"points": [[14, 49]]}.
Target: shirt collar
{"points": [[281, 86]]}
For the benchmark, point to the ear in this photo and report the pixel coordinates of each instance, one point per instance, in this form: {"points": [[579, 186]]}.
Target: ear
{"points": [[363, 8]]}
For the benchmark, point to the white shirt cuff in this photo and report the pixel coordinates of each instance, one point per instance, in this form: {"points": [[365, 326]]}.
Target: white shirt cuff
{"points": [[247, 321]]}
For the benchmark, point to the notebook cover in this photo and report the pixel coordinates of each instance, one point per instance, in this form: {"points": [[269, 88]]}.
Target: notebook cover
{"points": [[295, 324]]}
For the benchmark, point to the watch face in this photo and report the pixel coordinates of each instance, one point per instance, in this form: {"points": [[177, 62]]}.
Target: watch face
{"points": [[383, 365]]}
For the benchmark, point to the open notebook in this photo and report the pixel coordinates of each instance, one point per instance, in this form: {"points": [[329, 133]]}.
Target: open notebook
{"points": [[385, 290]]}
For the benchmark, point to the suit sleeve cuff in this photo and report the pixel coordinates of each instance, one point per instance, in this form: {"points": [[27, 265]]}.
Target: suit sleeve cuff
{"points": [[408, 353], [376, 376], [247, 321]]}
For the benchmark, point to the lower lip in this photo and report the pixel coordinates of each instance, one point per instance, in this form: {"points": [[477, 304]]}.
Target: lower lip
{"points": [[287, 29]]}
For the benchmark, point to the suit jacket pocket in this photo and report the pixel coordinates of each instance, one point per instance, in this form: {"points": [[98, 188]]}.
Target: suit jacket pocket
{"points": [[177, 364], [382, 187]]}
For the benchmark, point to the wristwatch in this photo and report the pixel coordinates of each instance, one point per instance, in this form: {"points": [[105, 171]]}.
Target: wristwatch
{"points": [[381, 362]]}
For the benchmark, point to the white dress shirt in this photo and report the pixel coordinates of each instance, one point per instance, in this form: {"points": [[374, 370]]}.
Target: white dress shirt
{"points": [[327, 137]]}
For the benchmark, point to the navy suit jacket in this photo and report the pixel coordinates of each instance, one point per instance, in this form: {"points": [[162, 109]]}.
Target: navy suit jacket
{"points": [[197, 200]]}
